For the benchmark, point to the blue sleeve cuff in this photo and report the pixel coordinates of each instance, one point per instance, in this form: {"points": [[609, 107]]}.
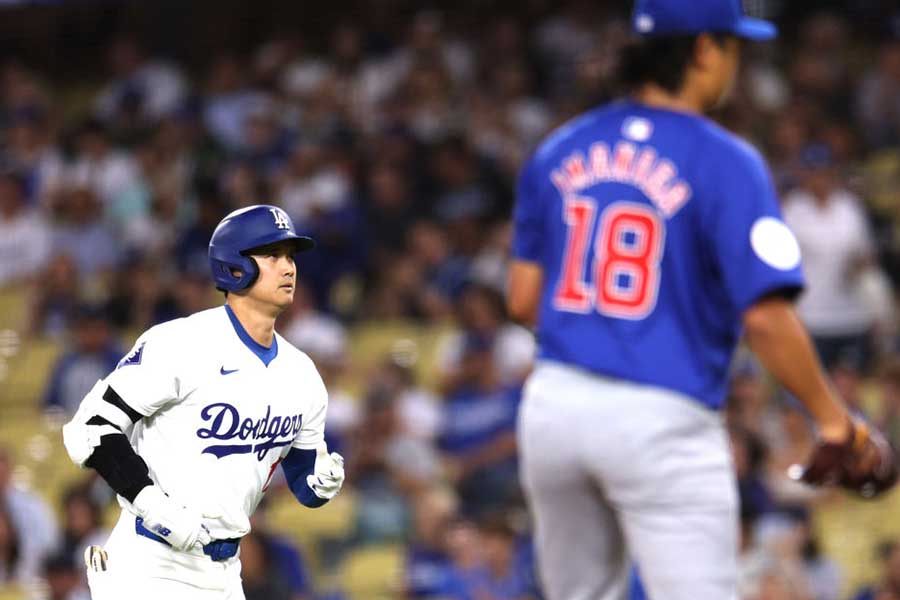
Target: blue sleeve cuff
{"points": [[297, 466]]}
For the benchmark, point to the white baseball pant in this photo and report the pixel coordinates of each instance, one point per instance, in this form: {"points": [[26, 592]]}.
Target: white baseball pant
{"points": [[613, 472]]}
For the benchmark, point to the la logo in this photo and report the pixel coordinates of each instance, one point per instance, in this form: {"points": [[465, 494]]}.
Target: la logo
{"points": [[281, 220]]}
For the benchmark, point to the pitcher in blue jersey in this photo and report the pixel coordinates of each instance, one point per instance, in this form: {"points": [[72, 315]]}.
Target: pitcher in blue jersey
{"points": [[647, 240]]}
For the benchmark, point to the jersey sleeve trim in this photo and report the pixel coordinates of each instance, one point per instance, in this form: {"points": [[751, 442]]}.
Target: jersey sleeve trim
{"points": [[788, 291]]}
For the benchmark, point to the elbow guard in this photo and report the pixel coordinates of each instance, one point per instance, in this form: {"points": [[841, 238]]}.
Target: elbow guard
{"points": [[95, 438], [117, 462]]}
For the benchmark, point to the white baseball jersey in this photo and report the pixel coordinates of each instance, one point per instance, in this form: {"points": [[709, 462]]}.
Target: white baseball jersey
{"points": [[221, 411]]}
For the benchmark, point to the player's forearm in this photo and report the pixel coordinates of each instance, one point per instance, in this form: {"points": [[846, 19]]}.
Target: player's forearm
{"points": [[523, 295], [774, 332]]}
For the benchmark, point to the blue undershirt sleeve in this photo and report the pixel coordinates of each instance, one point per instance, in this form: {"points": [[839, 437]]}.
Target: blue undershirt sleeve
{"points": [[297, 465]]}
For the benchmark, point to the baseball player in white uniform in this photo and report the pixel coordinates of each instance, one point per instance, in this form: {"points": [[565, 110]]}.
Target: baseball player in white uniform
{"points": [[190, 426]]}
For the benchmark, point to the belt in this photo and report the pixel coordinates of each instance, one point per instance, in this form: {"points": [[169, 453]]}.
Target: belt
{"points": [[217, 550]]}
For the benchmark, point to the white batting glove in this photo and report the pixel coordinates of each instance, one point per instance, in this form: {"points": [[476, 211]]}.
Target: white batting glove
{"points": [[328, 473], [179, 525]]}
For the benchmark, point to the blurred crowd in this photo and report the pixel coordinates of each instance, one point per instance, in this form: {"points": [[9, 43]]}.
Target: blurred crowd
{"points": [[397, 150]]}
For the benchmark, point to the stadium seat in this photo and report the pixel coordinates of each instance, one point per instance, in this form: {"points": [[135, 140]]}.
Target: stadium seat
{"points": [[13, 308], [849, 530], [334, 520], [373, 572], [12, 593], [28, 373]]}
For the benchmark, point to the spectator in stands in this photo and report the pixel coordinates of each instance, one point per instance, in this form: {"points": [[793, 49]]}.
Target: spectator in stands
{"points": [[82, 234], [889, 382], [283, 555], [502, 577], [135, 293], [260, 578], [466, 553], [443, 273], [143, 90], [847, 377], [82, 524], [94, 354], [489, 266], [749, 459], [888, 585], [477, 438], [391, 207], [824, 576], [242, 186], [9, 548], [878, 97], [57, 294], [382, 481], [65, 578], [481, 314], [419, 410], [189, 293], [192, 246], [110, 173], [24, 236], [230, 100], [750, 405], [428, 571], [32, 524], [835, 240], [30, 146]]}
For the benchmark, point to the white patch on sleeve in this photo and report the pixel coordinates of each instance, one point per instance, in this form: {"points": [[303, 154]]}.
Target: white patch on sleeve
{"points": [[774, 243], [637, 129], [644, 23]]}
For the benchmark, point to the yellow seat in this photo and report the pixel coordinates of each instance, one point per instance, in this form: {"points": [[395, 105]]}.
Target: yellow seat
{"points": [[12, 592], [39, 457], [849, 530], [28, 372], [373, 572], [372, 343], [13, 308], [334, 520]]}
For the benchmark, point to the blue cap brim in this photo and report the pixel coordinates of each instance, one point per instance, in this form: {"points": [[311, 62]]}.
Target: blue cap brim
{"points": [[755, 29]]}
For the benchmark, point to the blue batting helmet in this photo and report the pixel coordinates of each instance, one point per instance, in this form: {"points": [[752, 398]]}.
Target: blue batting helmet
{"points": [[243, 230]]}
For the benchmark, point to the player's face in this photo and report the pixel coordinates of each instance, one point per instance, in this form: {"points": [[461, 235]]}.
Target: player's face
{"points": [[277, 275]]}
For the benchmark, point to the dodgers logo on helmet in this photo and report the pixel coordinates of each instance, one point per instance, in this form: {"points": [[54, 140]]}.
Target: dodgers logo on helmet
{"points": [[281, 219]]}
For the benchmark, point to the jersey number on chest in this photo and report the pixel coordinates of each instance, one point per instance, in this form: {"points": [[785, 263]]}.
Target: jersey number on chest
{"points": [[627, 249]]}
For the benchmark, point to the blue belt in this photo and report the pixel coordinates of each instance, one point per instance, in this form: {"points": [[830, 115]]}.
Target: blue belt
{"points": [[218, 550]]}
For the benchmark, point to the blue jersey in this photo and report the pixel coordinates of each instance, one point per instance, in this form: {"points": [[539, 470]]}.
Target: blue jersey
{"points": [[655, 231]]}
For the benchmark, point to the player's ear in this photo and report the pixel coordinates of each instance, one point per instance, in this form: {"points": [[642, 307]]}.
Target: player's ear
{"points": [[706, 48]]}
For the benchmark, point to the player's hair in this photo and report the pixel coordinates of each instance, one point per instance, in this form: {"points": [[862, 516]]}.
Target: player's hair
{"points": [[660, 60]]}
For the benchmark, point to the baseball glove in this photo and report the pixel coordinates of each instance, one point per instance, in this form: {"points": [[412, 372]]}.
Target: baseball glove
{"points": [[865, 463]]}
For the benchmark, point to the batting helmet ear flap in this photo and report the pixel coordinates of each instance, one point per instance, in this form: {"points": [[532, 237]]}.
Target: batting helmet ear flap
{"points": [[224, 271]]}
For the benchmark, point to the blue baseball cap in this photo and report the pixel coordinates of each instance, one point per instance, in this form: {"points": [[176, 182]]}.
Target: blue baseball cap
{"points": [[669, 17]]}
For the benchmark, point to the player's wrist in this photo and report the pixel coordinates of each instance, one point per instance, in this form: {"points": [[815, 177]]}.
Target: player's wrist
{"points": [[148, 500], [838, 430]]}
